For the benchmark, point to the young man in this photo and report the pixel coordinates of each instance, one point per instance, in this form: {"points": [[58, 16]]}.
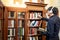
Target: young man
{"points": [[52, 25]]}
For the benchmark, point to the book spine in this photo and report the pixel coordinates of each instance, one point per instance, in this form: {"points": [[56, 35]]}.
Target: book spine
{"points": [[12, 22], [31, 15], [20, 23]]}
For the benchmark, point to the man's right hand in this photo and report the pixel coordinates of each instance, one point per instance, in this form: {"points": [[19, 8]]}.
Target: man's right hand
{"points": [[39, 16]]}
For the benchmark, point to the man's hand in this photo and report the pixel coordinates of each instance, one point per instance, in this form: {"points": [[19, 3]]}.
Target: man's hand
{"points": [[41, 29], [39, 16]]}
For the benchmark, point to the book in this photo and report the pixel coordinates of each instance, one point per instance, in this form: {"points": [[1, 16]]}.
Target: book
{"points": [[35, 15], [19, 23], [20, 31], [10, 23], [23, 31], [34, 23], [20, 37], [33, 31], [31, 15]]}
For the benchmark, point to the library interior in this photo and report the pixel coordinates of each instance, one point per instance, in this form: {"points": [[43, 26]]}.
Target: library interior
{"points": [[19, 19]]}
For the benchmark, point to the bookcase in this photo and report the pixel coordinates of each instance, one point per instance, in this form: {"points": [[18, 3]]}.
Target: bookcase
{"points": [[14, 23], [33, 22], [22, 23]]}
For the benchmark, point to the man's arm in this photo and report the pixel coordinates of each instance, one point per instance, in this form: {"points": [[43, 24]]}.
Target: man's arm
{"points": [[46, 19]]}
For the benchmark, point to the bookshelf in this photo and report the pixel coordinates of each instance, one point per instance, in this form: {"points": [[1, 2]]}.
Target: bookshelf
{"points": [[33, 10], [22, 23], [14, 23]]}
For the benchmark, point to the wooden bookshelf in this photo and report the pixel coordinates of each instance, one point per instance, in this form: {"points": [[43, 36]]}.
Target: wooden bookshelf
{"points": [[33, 10], [14, 23], [22, 23]]}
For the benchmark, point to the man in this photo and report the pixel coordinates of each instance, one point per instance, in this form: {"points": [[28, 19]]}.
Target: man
{"points": [[52, 25]]}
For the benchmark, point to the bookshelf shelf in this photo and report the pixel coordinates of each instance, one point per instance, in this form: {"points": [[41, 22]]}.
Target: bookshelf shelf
{"points": [[10, 27], [34, 27], [11, 18], [35, 19], [21, 19], [33, 35]]}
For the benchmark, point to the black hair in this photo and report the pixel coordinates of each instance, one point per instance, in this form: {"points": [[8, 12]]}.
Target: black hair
{"points": [[54, 10]]}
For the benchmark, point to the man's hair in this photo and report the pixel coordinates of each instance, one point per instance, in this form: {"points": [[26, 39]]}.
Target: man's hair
{"points": [[54, 10]]}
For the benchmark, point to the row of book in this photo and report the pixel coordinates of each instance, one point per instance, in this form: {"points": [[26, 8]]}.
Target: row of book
{"points": [[29, 38], [11, 23], [11, 32], [33, 38], [34, 15], [10, 38], [12, 14], [20, 37], [35, 23]]}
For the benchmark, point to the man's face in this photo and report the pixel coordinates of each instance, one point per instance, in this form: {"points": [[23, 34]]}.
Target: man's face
{"points": [[49, 14]]}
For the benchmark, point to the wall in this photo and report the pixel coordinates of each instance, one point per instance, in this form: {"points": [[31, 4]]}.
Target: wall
{"points": [[16, 3], [13, 3], [55, 3]]}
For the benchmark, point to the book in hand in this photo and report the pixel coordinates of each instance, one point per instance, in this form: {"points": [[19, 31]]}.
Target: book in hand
{"points": [[41, 29]]}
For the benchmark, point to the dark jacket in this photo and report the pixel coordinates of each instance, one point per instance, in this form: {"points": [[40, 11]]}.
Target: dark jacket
{"points": [[52, 28]]}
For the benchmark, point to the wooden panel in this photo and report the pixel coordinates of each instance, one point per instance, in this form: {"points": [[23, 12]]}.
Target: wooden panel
{"points": [[35, 8], [16, 9], [40, 1], [5, 25], [1, 13]]}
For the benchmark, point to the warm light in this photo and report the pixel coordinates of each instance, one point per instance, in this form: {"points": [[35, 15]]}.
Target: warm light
{"points": [[17, 3]]}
